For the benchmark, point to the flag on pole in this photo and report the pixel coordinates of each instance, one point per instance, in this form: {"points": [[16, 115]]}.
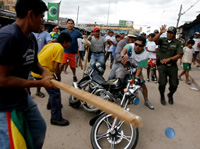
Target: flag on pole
{"points": [[53, 11]]}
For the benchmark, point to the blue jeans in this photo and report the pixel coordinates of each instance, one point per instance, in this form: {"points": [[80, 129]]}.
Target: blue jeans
{"points": [[195, 55], [36, 124], [97, 57], [113, 71], [55, 103]]}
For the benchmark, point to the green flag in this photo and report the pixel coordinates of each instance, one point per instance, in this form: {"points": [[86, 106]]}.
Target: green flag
{"points": [[53, 11]]}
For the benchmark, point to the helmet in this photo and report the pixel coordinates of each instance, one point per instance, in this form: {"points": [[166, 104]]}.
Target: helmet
{"points": [[99, 67]]}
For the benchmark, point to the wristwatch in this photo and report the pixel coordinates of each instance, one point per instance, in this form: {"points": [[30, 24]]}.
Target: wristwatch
{"points": [[122, 56], [170, 58]]}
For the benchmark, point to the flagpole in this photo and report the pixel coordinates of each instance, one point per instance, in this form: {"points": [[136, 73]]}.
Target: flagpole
{"points": [[58, 12], [48, 13]]}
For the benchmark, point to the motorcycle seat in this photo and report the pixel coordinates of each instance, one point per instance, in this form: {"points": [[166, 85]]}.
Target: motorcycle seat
{"points": [[111, 82]]}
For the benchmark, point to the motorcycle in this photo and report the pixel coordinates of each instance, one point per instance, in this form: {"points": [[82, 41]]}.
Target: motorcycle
{"points": [[94, 83], [109, 132]]}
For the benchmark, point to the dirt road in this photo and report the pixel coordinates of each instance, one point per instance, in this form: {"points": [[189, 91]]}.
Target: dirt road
{"points": [[183, 117]]}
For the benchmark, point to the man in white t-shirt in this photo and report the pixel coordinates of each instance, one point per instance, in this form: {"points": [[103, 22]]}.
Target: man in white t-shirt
{"points": [[110, 41], [152, 49], [195, 46], [136, 54], [81, 48]]}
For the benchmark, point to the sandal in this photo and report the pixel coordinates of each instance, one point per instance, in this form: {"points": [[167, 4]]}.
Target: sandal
{"points": [[188, 83], [40, 94]]}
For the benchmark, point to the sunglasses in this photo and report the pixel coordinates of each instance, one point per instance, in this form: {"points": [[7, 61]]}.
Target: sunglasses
{"points": [[140, 45]]}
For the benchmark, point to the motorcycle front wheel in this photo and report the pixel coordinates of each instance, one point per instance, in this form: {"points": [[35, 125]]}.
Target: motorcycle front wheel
{"points": [[123, 136]]}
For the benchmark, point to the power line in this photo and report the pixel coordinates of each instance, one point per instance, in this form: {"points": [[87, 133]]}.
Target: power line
{"points": [[190, 7]]}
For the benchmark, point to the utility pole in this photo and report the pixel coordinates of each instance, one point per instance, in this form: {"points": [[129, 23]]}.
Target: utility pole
{"points": [[77, 17], [161, 18], [179, 15], [108, 13]]}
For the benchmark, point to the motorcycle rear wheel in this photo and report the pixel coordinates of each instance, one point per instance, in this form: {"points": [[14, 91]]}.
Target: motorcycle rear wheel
{"points": [[102, 93], [73, 101]]}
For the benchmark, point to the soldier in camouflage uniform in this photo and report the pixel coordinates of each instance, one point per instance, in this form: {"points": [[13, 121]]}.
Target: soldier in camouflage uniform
{"points": [[170, 51]]}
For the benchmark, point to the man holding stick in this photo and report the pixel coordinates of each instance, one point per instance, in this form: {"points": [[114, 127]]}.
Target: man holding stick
{"points": [[18, 56]]}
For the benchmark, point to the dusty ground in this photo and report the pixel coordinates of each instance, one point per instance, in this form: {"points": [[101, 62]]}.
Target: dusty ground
{"points": [[183, 117]]}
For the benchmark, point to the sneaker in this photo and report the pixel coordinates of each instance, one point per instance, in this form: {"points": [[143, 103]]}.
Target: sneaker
{"points": [[179, 79], [61, 122], [75, 79], [148, 104], [147, 80], [198, 66], [188, 83], [155, 80]]}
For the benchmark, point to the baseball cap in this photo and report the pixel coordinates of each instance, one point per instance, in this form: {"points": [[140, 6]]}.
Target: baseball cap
{"points": [[196, 33], [132, 33], [56, 27], [156, 31], [172, 29], [96, 29], [111, 31]]}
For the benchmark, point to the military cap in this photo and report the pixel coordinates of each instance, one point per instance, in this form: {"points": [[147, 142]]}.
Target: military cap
{"points": [[172, 29]]}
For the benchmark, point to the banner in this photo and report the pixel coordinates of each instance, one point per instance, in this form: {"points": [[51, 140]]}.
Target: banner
{"points": [[125, 23], [53, 11]]}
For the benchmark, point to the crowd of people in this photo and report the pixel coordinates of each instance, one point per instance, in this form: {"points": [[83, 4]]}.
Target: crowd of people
{"points": [[27, 49]]}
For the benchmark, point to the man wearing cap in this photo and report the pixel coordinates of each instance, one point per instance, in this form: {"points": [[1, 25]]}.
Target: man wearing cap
{"points": [[56, 33], [110, 41], [117, 57], [195, 46], [170, 51], [97, 47], [156, 32], [143, 34]]}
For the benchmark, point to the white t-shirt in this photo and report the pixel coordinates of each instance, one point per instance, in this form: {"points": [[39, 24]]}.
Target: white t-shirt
{"points": [[151, 45], [197, 40], [111, 47], [188, 55], [80, 44], [139, 60]]}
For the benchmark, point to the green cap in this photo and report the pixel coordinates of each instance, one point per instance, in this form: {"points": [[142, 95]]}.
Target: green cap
{"points": [[156, 31], [172, 29]]}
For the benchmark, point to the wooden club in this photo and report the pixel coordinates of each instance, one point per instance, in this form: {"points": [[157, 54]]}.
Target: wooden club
{"points": [[102, 104]]}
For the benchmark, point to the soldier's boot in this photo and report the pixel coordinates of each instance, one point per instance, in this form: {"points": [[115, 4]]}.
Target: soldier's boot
{"points": [[162, 99], [170, 97]]}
